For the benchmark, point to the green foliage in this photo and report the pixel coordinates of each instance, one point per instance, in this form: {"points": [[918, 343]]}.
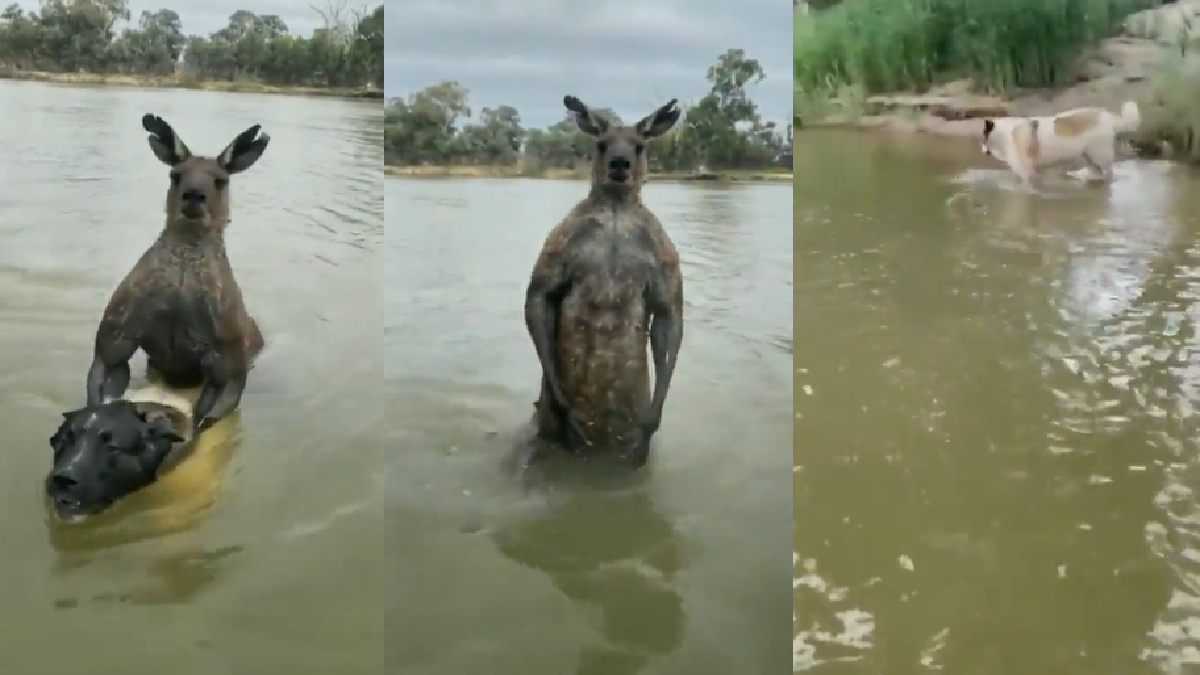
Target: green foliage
{"points": [[900, 45], [81, 36], [722, 130], [1176, 118]]}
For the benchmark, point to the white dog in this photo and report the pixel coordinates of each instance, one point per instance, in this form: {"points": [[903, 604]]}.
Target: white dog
{"points": [[1027, 144]]}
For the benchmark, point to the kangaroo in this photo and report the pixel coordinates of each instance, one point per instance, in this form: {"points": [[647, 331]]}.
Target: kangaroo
{"points": [[180, 303], [607, 280]]}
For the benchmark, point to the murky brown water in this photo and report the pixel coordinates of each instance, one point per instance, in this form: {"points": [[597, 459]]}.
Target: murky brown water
{"points": [[278, 570], [997, 463], [679, 572]]}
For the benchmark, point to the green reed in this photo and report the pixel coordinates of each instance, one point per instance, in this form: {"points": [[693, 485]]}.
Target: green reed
{"points": [[909, 45]]}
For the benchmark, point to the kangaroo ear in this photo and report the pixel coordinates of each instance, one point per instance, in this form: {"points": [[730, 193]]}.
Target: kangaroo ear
{"points": [[592, 125], [660, 121], [244, 151], [166, 144]]}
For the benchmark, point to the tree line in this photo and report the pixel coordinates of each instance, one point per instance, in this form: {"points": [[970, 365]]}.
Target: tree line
{"points": [[68, 36], [722, 130]]}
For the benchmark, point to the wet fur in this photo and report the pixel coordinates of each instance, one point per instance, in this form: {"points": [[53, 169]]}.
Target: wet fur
{"points": [[1077, 123], [1086, 135], [180, 304], [189, 474], [607, 278], [164, 514], [104, 453]]}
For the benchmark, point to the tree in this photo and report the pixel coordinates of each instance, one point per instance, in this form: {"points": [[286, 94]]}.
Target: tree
{"points": [[721, 130], [80, 35]]}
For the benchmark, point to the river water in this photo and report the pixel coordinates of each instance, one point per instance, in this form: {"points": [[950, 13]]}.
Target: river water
{"points": [[998, 466], [679, 571], [278, 569]]}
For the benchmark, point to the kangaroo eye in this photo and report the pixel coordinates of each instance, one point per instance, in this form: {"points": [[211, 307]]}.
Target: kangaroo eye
{"points": [[175, 179], [106, 437], [602, 147], [221, 183], [639, 148]]}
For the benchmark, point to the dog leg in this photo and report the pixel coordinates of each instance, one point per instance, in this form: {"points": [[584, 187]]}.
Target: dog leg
{"points": [[1096, 169], [1027, 175]]}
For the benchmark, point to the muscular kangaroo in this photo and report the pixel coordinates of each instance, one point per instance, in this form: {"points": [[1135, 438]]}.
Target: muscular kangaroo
{"points": [[606, 281], [180, 303]]}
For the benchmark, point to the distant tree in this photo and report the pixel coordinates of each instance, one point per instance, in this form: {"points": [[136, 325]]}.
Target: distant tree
{"points": [[80, 35], [721, 130]]}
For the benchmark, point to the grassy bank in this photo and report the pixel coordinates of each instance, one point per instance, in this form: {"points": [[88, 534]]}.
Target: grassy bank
{"points": [[866, 47], [909, 45], [183, 82], [575, 174]]}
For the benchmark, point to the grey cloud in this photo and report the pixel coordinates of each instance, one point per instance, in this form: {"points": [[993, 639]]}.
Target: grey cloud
{"points": [[629, 55], [204, 18]]}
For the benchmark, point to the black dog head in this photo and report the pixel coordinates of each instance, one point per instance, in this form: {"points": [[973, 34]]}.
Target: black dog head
{"points": [[103, 453]]}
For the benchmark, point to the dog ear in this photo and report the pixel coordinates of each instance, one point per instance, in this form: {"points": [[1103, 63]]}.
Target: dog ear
{"points": [[59, 436], [171, 436], [988, 127], [161, 427]]}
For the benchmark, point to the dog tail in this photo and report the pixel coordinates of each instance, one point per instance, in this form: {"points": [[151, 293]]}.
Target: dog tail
{"points": [[1129, 119]]}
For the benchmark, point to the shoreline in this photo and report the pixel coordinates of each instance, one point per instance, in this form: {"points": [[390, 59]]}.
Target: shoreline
{"points": [[1141, 63], [397, 171], [177, 82]]}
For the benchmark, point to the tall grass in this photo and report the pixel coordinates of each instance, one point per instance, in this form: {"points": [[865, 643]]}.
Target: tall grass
{"points": [[903, 45]]}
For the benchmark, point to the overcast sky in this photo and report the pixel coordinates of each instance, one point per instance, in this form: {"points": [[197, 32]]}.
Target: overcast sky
{"points": [[628, 55], [203, 17]]}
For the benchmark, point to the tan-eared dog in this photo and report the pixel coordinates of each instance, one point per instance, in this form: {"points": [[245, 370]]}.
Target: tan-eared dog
{"points": [[1082, 135], [143, 442]]}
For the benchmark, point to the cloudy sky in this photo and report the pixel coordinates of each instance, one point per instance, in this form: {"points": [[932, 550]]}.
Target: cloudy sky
{"points": [[202, 17], [628, 55]]}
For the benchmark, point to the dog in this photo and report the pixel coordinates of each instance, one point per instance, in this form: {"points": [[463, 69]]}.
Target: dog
{"points": [[607, 280], [180, 303], [1028, 144], [104, 453]]}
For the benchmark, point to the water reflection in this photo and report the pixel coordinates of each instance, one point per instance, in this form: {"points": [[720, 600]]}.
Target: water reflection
{"points": [[611, 552]]}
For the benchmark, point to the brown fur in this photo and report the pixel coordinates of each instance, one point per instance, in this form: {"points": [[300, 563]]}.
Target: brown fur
{"points": [[180, 303], [1076, 124], [607, 280]]}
